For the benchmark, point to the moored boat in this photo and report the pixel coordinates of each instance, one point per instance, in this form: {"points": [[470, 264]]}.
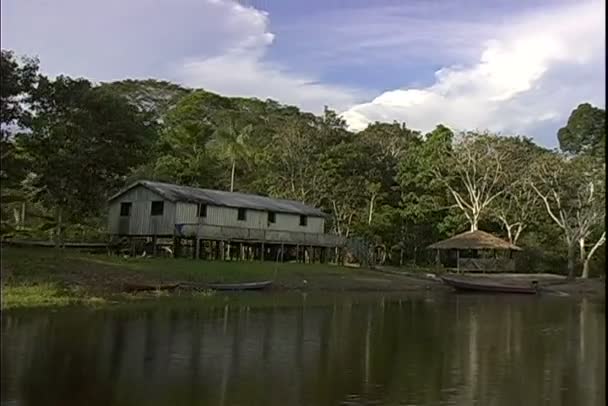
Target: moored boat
{"points": [[466, 284], [240, 286]]}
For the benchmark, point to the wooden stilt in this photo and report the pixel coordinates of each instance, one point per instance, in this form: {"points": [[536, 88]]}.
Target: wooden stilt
{"points": [[282, 250], [197, 248], [262, 253], [177, 247], [154, 239], [222, 251]]}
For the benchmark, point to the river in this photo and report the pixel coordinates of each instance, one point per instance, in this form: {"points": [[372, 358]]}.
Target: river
{"points": [[297, 349]]}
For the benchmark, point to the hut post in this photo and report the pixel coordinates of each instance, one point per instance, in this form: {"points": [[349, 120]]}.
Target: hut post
{"points": [[457, 260], [263, 251], [154, 245], [282, 249], [437, 257], [297, 253], [222, 251]]}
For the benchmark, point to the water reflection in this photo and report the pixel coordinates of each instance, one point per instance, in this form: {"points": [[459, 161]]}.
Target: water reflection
{"points": [[441, 350]]}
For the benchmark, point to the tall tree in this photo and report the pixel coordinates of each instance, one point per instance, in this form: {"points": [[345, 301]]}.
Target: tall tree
{"points": [[517, 208], [585, 131], [84, 141], [573, 193], [231, 138], [155, 97], [473, 172], [18, 78]]}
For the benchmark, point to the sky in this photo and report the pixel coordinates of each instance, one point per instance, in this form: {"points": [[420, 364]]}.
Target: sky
{"points": [[512, 67]]}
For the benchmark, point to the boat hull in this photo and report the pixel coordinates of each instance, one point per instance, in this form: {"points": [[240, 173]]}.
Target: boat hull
{"points": [[240, 286], [487, 287]]}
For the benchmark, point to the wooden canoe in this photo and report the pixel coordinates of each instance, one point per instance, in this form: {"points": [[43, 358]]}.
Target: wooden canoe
{"points": [[240, 286], [470, 285], [133, 287]]}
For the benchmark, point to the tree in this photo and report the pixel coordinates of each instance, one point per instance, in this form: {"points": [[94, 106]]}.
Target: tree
{"points": [[84, 142], [289, 164], [516, 208], [18, 80], [473, 172], [585, 131], [155, 97], [231, 138], [183, 156], [573, 193]]}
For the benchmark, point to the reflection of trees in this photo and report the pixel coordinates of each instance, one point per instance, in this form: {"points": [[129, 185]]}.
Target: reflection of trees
{"points": [[459, 349]]}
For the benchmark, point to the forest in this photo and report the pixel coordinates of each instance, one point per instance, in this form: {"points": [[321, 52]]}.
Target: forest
{"points": [[67, 144]]}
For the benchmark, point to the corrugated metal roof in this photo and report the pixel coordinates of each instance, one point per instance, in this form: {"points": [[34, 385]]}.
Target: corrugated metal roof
{"points": [[177, 193]]}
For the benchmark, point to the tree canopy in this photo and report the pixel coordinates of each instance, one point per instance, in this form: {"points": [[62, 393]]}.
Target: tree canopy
{"points": [[68, 144]]}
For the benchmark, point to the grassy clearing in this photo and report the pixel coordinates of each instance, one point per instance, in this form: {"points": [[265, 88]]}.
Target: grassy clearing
{"points": [[44, 294], [46, 276]]}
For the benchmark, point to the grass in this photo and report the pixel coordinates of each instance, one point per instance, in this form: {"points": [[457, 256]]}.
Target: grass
{"points": [[43, 294], [47, 276]]}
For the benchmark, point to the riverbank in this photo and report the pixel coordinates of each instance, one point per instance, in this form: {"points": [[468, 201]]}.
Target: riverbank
{"points": [[49, 277], [46, 276]]}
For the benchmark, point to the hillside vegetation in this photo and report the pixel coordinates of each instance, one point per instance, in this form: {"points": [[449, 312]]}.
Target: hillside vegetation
{"points": [[67, 145]]}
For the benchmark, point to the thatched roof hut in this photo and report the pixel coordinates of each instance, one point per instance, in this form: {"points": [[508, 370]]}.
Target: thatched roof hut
{"points": [[474, 240]]}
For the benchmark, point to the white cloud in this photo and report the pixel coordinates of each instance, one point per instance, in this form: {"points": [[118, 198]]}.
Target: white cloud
{"points": [[535, 70], [219, 45], [241, 69]]}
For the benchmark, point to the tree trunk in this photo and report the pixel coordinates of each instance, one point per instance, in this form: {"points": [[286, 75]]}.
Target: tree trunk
{"points": [[22, 219], [571, 260], [58, 229], [586, 260], [474, 222], [232, 175], [585, 274], [509, 233], [371, 209]]}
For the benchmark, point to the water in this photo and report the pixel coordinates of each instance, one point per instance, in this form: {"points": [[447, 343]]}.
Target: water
{"points": [[264, 349]]}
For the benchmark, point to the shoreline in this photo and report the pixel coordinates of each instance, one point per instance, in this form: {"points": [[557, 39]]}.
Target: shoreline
{"points": [[46, 277]]}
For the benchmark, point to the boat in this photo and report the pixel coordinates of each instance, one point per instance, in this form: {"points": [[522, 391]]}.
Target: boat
{"points": [[240, 286], [466, 284], [135, 287]]}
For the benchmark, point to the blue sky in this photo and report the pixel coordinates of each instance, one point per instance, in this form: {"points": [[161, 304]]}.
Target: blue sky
{"points": [[513, 67]]}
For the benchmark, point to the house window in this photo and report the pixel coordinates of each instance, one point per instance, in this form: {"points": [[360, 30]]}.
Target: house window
{"points": [[242, 215], [303, 220], [272, 218], [125, 209], [202, 210], [157, 208]]}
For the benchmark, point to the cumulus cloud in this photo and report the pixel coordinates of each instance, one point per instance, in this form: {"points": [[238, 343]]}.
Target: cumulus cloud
{"points": [[534, 71], [219, 45], [242, 69]]}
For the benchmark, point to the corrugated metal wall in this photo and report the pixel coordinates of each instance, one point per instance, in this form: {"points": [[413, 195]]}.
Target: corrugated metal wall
{"points": [[140, 220], [186, 213], [141, 223]]}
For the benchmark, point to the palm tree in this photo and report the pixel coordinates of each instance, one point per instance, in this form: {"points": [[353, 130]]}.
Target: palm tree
{"points": [[232, 141]]}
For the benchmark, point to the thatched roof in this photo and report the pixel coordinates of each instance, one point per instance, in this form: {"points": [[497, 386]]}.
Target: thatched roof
{"points": [[474, 240]]}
